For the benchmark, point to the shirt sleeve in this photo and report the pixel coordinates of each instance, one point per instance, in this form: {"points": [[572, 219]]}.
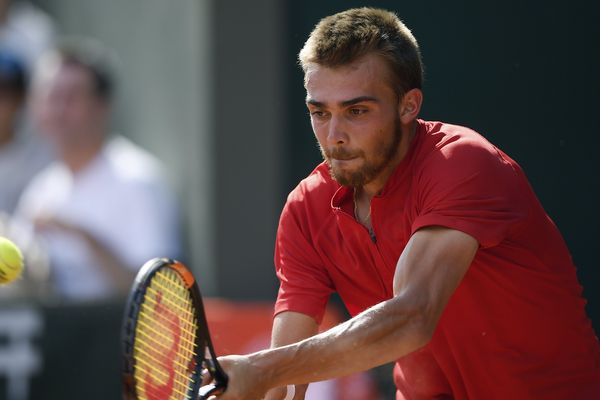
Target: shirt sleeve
{"points": [[469, 185], [305, 285]]}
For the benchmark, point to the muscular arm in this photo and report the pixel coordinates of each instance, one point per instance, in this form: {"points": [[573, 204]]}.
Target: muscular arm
{"points": [[428, 271]]}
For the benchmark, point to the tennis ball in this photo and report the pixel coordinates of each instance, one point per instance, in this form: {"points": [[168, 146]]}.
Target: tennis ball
{"points": [[11, 261]]}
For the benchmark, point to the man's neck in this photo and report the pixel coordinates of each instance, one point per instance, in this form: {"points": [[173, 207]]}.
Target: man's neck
{"points": [[374, 187], [76, 159]]}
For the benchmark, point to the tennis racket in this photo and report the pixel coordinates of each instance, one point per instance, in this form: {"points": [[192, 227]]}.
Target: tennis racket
{"points": [[166, 343]]}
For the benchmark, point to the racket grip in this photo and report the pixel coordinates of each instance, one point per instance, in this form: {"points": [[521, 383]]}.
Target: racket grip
{"points": [[290, 392], [209, 390]]}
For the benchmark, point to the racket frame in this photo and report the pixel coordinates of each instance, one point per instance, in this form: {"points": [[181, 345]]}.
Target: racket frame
{"points": [[206, 357]]}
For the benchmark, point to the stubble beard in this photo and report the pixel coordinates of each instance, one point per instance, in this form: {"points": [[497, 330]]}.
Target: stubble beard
{"points": [[371, 167]]}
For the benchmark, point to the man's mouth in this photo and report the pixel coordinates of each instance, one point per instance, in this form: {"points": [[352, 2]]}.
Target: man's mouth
{"points": [[345, 158]]}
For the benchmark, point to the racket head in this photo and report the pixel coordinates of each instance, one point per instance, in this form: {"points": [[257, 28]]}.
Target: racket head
{"points": [[165, 337]]}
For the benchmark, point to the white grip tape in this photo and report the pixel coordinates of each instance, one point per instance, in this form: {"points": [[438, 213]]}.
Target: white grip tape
{"points": [[291, 391]]}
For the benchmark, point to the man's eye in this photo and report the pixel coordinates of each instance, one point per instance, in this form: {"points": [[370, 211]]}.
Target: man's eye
{"points": [[317, 113], [357, 111]]}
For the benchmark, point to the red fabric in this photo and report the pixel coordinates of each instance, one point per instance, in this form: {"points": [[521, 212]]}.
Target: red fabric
{"points": [[514, 329]]}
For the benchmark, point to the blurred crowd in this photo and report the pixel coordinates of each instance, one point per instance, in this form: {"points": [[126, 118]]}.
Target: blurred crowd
{"points": [[87, 206]]}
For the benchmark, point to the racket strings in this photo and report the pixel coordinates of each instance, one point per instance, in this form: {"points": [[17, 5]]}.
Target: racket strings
{"points": [[189, 332], [149, 343], [184, 304], [155, 395], [189, 322], [165, 340]]}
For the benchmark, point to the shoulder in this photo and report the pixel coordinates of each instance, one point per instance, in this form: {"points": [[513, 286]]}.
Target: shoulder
{"points": [[137, 176], [132, 164], [448, 147], [446, 137]]}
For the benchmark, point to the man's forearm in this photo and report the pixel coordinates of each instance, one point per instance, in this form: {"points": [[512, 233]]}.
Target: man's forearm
{"points": [[379, 335], [120, 275]]}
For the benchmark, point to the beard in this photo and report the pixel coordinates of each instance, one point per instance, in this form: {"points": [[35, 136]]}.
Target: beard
{"points": [[373, 164]]}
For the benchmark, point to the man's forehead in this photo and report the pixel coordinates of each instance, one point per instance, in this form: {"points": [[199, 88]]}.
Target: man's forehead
{"points": [[363, 66], [361, 79], [65, 75]]}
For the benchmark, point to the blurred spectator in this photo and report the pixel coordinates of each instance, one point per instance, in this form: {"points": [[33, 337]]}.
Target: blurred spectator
{"points": [[103, 209], [25, 33], [25, 30], [21, 154]]}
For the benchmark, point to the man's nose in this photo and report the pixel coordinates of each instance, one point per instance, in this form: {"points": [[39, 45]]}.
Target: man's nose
{"points": [[336, 131]]}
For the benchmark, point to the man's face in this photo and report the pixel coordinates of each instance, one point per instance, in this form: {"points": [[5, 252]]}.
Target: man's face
{"points": [[66, 107], [355, 117]]}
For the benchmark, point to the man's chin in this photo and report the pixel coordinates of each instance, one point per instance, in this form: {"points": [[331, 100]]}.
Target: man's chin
{"points": [[346, 178]]}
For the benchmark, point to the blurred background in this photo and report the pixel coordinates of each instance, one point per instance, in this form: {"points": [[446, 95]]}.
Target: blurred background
{"points": [[213, 90]]}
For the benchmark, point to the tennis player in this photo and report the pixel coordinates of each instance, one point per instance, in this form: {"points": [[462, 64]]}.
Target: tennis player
{"points": [[432, 237]]}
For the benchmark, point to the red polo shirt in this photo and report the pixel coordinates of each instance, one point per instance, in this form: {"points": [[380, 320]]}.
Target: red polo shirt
{"points": [[515, 328]]}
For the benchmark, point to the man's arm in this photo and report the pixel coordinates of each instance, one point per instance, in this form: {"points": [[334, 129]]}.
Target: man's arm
{"points": [[291, 327], [428, 271], [120, 276]]}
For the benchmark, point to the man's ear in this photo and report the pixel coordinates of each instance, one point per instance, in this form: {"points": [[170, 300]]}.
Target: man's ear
{"points": [[410, 105]]}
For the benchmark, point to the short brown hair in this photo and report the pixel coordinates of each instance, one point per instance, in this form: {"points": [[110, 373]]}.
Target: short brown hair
{"points": [[343, 38]]}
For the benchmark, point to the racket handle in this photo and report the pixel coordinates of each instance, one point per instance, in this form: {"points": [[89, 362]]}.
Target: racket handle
{"points": [[209, 390], [291, 391]]}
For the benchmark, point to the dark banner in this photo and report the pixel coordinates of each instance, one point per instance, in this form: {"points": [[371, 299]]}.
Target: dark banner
{"points": [[60, 352]]}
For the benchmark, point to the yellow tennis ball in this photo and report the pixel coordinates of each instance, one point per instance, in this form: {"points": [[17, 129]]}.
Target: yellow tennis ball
{"points": [[11, 261]]}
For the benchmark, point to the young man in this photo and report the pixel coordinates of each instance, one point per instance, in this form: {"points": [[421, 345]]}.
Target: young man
{"points": [[432, 237]]}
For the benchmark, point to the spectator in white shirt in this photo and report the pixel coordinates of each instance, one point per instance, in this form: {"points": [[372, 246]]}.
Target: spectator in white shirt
{"points": [[103, 209]]}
